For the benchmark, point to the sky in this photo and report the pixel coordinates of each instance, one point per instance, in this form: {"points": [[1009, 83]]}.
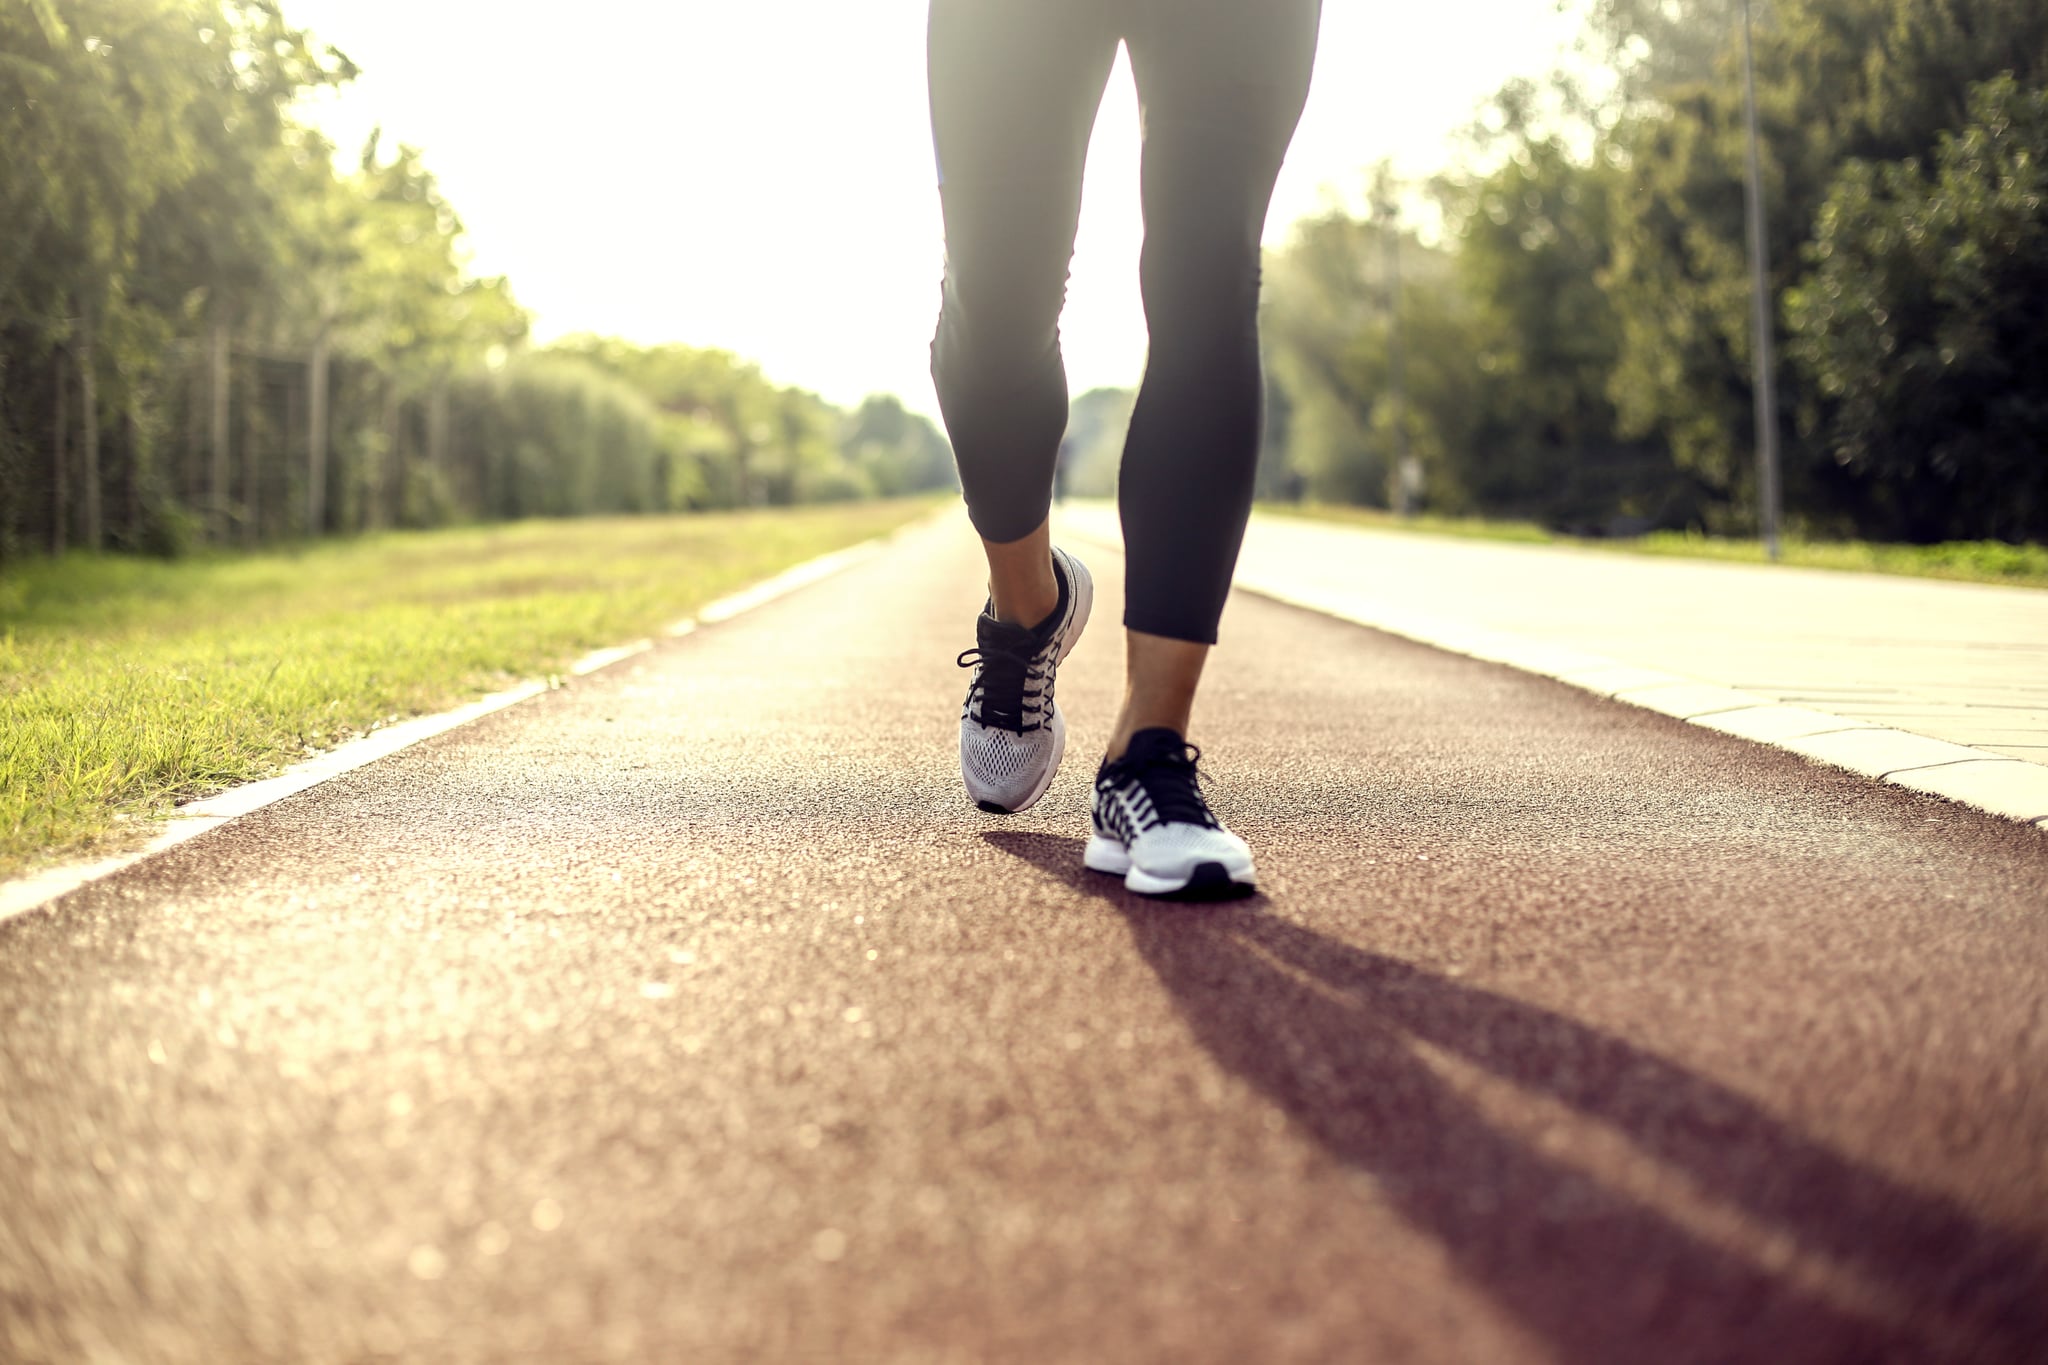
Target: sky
{"points": [[757, 175]]}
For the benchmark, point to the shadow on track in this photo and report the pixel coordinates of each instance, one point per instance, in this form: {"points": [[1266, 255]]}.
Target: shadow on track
{"points": [[1339, 1038]]}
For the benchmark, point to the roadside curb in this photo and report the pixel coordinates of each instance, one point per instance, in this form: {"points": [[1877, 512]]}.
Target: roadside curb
{"points": [[2007, 787], [23, 895]]}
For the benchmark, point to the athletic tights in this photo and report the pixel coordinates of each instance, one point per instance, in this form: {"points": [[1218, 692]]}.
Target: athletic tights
{"points": [[1014, 89]]}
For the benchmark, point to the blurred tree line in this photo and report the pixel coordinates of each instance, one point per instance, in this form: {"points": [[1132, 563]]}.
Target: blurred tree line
{"points": [[209, 333], [1574, 346]]}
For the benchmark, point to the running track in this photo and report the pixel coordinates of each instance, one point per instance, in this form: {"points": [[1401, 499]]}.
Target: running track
{"points": [[690, 1014]]}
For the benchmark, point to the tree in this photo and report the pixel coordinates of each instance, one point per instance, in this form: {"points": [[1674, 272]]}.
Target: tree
{"points": [[1325, 322], [1922, 324], [138, 138], [1534, 240], [895, 449], [1655, 47], [413, 310], [1837, 80], [1330, 326]]}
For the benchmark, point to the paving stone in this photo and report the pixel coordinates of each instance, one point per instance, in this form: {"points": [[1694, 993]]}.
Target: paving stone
{"points": [[2002, 786], [1775, 724], [1879, 752], [1686, 700]]}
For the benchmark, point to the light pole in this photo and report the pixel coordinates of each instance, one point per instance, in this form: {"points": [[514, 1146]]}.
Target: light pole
{"points": [[1407, 477], [1766, 382]]}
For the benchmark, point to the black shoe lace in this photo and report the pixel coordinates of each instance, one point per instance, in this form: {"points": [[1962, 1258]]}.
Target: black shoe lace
{"points": [[1003, 686], [1169, 779]]}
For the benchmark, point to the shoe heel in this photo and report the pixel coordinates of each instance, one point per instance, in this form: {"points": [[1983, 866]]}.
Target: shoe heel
{"points": [[1082, 585]]}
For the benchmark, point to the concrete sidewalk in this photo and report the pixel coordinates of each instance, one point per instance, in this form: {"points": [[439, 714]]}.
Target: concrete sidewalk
{"points": [[1937, 686]]}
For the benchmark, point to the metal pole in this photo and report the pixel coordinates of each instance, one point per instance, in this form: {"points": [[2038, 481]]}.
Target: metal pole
{"points": [[1766, 384], [1405, 479]]}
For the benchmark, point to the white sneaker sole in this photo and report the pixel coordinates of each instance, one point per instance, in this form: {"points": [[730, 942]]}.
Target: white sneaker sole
{"points": [[1112, 858]]}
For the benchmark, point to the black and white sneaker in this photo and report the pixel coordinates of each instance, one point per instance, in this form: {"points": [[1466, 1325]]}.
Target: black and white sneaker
{"points": [[1012, 734], [1154, 829]]}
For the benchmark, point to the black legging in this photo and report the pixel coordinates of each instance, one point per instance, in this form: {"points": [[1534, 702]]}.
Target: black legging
{"points": [[1014, 89]]}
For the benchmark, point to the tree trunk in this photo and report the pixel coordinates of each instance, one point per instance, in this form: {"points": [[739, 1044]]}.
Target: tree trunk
{"points": [[217, 477], [192, 461], [294, 422], [316, 435], [255, 430], [89, 430], [60, 463], [135, 466], [437, 427], [385, 495]]}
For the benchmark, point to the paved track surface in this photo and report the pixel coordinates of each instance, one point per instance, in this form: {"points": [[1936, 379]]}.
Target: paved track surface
{"points": [[689, 1014]]}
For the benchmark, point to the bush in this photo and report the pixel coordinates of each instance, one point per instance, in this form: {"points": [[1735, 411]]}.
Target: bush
{"points": [[1922, 326]]}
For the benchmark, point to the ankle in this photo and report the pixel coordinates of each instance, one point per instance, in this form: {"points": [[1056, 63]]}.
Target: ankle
{"points": [[1023, 587], [1120, 738], [1027, 604], [1161, 677]]}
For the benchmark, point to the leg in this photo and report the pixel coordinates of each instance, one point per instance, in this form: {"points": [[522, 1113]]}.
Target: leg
{"points": [[1160, 678], [1021, 586], [1014, 89], [1222, 83]]}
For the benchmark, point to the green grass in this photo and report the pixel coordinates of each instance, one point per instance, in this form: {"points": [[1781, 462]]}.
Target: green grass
{"points": [[128, 685], [1969, 561]]}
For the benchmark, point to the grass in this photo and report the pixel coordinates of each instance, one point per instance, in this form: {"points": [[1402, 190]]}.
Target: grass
{"points": [[1969, 561], [129, 685]]}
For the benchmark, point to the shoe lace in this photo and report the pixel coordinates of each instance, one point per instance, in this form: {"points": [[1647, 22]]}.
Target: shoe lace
{"points": [[1170, 780], [1003, 685]]}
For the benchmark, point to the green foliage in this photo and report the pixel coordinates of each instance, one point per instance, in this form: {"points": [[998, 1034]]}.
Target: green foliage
{"points": [[1328, 323], [1578, 349], [1506, 344], [127, 684], [1837, 80], [1968, 561], [209, 332], [408, 304], [550, 436], [145, 147], [1097, 422], [733, 438], [1922, 326], [1657, 46], [1534, 243], [895, 450], [1679, 283]]}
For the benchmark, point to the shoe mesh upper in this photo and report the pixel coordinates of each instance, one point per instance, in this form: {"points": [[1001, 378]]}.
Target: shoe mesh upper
{"points": [[997, 758], [1009, 731], [1175, 848], [1151, 802]]}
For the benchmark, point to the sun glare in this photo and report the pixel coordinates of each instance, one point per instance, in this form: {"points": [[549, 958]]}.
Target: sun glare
{"points": [[759, 177]]}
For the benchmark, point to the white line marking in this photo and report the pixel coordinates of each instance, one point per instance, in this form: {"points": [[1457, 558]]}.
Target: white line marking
{"points": [[788, 581], [605, 658], [38, 889]]}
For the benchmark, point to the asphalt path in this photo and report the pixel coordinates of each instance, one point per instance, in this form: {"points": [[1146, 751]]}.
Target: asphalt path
{"points": [[690, 1013]]}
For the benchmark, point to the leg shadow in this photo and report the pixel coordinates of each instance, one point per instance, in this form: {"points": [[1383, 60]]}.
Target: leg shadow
{"points": [[1334, 1035]]}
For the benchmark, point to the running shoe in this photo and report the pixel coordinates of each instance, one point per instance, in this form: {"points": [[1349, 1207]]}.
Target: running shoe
{"points": [[1154, 829], [1012, 734]]}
